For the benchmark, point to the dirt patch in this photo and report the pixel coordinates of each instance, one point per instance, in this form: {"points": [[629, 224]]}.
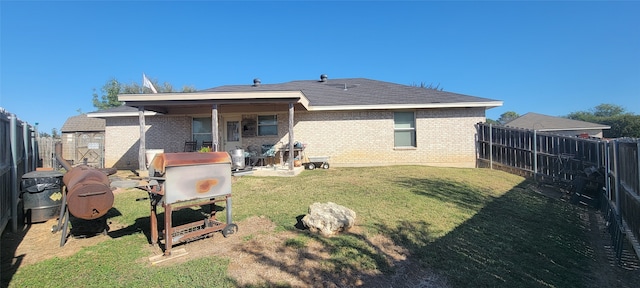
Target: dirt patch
{"points": [[257, 255]]}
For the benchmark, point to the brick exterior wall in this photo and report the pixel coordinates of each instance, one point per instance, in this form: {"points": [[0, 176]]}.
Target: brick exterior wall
{"points": [[444, 137], [122, 136]]}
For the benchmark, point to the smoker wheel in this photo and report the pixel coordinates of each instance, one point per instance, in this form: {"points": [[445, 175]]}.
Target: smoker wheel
{"points": [[230, 229], [325, 166], [311, 166]]}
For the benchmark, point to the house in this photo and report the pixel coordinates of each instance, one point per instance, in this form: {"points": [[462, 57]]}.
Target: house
{"points": [[83, 140], [354, 121], [558, 125]]}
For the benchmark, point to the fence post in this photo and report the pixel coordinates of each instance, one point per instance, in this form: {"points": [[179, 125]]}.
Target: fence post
{"points": [[490, 147], [607, 170], [25, 145], [616, 163], [535, 155], [638, 167], [14, 173]]}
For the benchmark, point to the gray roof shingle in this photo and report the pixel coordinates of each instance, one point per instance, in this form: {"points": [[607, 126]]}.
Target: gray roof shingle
{"points": [[357, 91], [82, 123], [545, 122]]}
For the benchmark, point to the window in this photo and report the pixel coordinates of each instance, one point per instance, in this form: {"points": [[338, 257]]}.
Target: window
{"points": [[404, 129], [201, 129], [267, 125]]}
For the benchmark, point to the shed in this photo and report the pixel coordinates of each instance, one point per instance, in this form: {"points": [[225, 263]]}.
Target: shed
{"points": [[83, 140]]}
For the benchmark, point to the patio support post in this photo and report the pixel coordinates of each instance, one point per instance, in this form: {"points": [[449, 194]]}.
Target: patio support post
{"points": [[214, 127], [291, 138], [143, 145]]}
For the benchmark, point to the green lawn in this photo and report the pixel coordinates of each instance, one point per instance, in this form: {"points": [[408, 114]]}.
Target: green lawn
{"points": [[476, 227]]}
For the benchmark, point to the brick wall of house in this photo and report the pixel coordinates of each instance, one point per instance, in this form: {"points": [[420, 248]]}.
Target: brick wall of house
{"points": [[162, 132], [444, 137]]}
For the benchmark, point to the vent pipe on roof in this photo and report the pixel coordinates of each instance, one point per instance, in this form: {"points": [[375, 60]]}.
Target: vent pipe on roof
{"points": [[323, 78], [256, 82]]}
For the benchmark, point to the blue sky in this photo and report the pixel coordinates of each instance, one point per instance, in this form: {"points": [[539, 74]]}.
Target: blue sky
{"points": [[546, 57]]}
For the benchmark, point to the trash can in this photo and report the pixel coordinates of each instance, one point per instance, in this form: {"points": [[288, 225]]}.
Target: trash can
{"points": [[41, 193]]}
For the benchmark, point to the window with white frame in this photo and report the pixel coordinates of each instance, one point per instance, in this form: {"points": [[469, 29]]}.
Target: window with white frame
{"points": [[404, 129], [267, 125], [201, 129]]}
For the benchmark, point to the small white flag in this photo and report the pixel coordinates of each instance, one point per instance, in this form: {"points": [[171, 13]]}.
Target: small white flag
{"points": [[148, 84]]}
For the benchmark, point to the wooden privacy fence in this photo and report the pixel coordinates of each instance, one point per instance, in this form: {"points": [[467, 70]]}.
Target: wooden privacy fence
{"points": [[562, 160], [18, 155]]}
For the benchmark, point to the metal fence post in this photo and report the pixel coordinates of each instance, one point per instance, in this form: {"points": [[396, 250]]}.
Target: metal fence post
{"points": [[14, 172], [638, 167], [616, 163], [607, 170], [535, 156], [490, 147]]}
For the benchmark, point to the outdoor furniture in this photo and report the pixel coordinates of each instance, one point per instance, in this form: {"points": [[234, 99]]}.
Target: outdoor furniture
{"points": [[269, 152], [190, 146], [208, 144], [255, 155]]}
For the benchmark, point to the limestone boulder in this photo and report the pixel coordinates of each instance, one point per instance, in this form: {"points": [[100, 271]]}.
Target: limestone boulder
{"points": [[329, 218]]}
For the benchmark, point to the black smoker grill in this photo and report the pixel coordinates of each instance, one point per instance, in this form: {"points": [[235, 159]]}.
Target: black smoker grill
{"points": [[183, 180]]}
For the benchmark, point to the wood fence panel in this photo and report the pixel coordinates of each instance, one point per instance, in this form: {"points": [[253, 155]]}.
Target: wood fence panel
{"points": [[18, 155], [560, 159]]}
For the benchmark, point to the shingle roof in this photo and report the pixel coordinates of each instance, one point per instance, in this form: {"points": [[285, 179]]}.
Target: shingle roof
{"points": [[544, 122], [356, 91], [82, 123]]}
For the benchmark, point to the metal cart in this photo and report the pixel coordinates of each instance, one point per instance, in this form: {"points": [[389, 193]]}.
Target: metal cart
{"points": [[317, 162]]}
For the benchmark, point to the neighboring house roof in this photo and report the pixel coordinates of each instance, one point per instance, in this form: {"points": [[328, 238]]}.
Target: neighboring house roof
{"points": [[542, 122], [364, 92], [82, 123]]}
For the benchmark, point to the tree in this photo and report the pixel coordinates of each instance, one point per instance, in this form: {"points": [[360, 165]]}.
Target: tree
{"points": [[113, 87], [622, 123], [506, 117], [608, 110], [491, 121], [429, 86], [600, 111]]}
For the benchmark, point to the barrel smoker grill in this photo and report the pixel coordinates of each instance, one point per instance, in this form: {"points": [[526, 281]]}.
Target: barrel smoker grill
{"points": [[183, 180], [87, 196]]}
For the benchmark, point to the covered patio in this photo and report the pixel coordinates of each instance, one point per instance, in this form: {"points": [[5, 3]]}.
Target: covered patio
{"points": [[228, 121]]}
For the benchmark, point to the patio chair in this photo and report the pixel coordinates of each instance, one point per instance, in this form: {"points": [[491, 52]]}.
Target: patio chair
{"points": [[269, 152], [208, 144], [255, 155], [190, 146]]}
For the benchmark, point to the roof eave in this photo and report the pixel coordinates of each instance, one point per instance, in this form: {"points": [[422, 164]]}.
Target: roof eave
{"points": [[177, 98], [486, 105], [120, 114], [573, 129]]}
